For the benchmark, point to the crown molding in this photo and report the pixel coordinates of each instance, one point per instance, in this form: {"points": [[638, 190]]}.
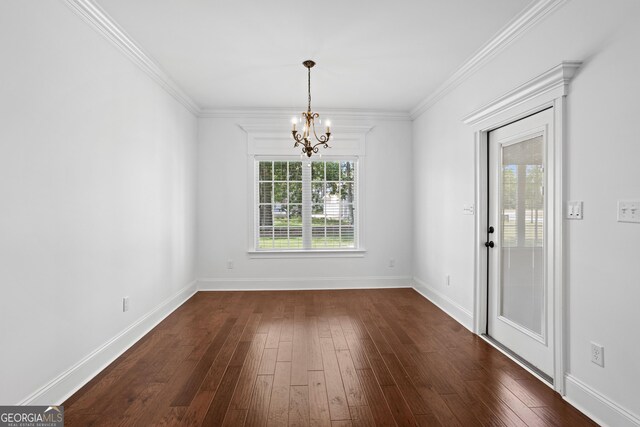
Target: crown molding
{"points": [[92, 14], [511, 32], [288, 113], [277, 129], [555, 80], [96, 17]]}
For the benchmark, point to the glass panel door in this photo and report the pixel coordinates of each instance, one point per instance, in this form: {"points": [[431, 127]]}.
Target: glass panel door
{"points": [[519, 296], [522, 283]]}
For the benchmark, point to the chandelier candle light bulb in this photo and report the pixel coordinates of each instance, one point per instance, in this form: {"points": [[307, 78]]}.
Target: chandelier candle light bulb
{"points": [[304, 139]]}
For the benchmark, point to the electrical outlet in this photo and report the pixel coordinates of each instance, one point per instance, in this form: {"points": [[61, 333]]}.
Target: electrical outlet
{"points": [[597, 354], [125, 304], [448, 280], [574, 210], [230, 264], [392, 262], [628, 211]]}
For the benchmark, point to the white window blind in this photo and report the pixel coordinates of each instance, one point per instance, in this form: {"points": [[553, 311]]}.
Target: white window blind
{"points": [[306, 204]]}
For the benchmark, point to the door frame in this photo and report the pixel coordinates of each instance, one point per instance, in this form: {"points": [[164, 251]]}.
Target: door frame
{"points": [[549, 89]]}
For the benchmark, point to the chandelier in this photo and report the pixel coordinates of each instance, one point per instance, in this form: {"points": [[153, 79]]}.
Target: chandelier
{"points": [[306, 138]]}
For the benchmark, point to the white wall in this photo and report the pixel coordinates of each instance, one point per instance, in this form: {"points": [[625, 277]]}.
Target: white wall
{"points": [[602, 166], [97, 191], [223, 213]]}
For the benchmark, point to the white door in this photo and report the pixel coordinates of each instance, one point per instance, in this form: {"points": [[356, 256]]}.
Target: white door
{"points": [[520, 303]]}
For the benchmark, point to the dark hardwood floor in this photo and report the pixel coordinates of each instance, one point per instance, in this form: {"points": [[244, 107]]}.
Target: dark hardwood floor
{"points": [[319, 358]]}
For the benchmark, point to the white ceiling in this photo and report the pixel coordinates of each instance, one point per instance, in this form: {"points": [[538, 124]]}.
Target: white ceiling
{"points": [[373, 55]]}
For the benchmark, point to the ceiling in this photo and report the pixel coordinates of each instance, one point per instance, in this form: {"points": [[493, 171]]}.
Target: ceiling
{"points": [[371, 55]]}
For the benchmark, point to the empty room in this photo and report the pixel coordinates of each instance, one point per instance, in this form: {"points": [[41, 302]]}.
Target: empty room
{"points": [[339, 213]]}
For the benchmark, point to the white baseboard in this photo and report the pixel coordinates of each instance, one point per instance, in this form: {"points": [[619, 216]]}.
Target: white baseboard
{"points": [[302, 283], [587, 400], [584, 398], [64, 385], [597, 406], [446, 304]]}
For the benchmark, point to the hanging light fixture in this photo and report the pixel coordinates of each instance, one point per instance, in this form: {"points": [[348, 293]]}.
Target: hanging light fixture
{"points": [[309, 146]]}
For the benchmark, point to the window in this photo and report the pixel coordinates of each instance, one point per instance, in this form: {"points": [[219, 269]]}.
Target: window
{"points": [[306, 205]]}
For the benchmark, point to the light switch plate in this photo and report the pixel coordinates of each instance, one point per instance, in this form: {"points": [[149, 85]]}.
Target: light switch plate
{"points": [[629, 211], [574, 210]]}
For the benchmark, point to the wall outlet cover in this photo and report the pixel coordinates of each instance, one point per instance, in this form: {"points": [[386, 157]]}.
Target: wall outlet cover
{"points": [[574, 210], [597, 354], [629, 211]]}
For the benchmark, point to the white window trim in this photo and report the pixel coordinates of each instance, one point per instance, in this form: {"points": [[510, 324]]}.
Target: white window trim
{"points": [[273, 141], [358, 250], [308, 253]]}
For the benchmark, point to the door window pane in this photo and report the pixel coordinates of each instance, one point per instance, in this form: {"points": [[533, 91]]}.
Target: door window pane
{"points": [[522, 230]]}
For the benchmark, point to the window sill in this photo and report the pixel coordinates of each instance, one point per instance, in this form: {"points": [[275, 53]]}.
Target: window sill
{"points": [[316, 253]]}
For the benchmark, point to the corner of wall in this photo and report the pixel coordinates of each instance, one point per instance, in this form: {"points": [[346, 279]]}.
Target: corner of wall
{"points": [[446, 304], [68, 382]]}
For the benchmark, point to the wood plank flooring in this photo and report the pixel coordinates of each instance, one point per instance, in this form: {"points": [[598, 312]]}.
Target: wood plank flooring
{"points": [[315, 358]]}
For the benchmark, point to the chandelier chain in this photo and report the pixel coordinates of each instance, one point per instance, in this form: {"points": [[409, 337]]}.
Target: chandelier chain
{"points": [[309, 88]]}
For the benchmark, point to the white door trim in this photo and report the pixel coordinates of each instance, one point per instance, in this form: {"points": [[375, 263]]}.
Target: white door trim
{"points": [[549, 89]]}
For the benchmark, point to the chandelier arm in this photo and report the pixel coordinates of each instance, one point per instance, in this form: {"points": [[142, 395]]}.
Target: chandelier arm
{"points": [[297, 137], [314, 130], [315, 147], [324, 138]]}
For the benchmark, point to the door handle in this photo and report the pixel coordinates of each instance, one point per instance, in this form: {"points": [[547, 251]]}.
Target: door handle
{"points": [[489, 244], [491, 229]]}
